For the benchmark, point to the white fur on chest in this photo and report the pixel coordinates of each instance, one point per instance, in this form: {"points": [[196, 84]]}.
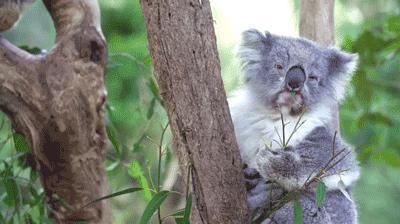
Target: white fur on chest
{"points": [[256, 129]]}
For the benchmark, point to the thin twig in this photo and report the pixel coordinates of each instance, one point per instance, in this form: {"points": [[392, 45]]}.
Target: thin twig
{"points": [[187, 181], [160, 146], [334, 143], [296, 127], [273, 206], [280, 139], [283, 131]]}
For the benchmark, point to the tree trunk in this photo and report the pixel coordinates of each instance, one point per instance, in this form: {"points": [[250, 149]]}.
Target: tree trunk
{"points": [[57, 102], [317, 21], [317, 24], [184, 51]]}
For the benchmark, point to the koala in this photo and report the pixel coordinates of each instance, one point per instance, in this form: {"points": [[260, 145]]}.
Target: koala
{"points": [[10, 12], [285, 126]]}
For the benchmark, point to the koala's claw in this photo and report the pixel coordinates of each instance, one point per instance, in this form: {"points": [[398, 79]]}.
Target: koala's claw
{"points": [[252, 177], [250, 173]]}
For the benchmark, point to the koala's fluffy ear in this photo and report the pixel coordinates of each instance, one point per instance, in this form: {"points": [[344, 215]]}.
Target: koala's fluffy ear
{"points": [[253, 45], [341, 67], [341, 63]]}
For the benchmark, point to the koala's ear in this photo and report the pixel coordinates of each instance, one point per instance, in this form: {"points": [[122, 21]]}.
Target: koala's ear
{"points": [[341, 63], [253, 45], [341, 66]]}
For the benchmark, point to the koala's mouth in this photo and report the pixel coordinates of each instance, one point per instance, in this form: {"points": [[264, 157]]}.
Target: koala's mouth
{"points": [[290, 102]]}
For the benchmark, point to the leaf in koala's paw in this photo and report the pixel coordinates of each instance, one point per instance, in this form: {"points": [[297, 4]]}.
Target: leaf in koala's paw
{"points": [[342, 189], [320, 194], [298, 212]]}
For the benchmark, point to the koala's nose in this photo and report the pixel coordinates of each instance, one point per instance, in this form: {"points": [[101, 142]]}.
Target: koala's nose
{"points": [[295, 78]]}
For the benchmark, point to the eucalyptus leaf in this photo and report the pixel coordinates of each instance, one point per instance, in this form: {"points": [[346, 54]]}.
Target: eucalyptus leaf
{"points": [[136, 171], [188, 209], [32, 50], [150, 111], [298, 212], [126, 191], [112, 135], [20, 144], [374, 117], [320, 194], [153, 205]]}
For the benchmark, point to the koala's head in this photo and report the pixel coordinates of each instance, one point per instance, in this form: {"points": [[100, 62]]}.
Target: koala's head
{"points": [[293, 73]]}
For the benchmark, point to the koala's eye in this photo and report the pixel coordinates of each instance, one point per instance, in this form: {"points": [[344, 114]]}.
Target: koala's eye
{"points": [[279, 66], [313, 78]]}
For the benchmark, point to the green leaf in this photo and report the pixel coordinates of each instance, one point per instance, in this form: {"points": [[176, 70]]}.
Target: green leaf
{"points": [[20, 143], [126, 191], [188, 209], [153, 87], [32, 50], [374, 117], [388, 157], [137, 146], [298, 212], [153, 205], [347, 43], [112, 135], [136, 171], [320, 194], [394, 24], [147, 60], [179, 213], [150, 111], [363, 92], [178, 220], [11, 187], [112, 166]]}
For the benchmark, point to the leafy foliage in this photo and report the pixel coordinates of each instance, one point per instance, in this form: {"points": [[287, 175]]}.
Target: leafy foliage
{"points": [[153, 205], [370, 117]]}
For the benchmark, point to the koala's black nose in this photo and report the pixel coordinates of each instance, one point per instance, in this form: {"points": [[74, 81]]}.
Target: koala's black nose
{"points": [[295, 78]]}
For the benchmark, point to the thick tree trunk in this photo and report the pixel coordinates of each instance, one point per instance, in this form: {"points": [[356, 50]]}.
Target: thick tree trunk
{"points": [[56, 101], [183, 47], [317, 21], [317, 24]]}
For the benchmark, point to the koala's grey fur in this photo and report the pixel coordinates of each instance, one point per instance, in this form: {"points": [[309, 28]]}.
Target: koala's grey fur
{"points": [[256, 111]]}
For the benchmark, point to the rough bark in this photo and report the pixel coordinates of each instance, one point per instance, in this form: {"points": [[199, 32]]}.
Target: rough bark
{"points": [[183, 47], [56, 101], [317, 21], [317, 24]]}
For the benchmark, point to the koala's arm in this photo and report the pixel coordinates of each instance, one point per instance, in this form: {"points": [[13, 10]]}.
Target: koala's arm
{"points": [[293, 166], [10, 12]]}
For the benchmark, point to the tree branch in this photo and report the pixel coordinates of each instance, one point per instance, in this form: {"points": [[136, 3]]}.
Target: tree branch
{"points": [[57, 102], [70, 15]]}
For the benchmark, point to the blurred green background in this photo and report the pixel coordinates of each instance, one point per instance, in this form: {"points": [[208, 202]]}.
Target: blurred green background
{"points": [[370, 117]]}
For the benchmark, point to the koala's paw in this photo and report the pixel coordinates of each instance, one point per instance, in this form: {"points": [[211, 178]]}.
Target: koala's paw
{"points": [[257, 197], [251, 177], [256, 187], [268, 162]]}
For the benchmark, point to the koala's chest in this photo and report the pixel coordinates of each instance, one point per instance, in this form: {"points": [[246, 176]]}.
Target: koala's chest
{"points": [[277, 134], [272, 134]]}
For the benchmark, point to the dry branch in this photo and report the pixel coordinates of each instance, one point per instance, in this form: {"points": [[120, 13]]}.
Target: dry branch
{"points": [[56, 101]]}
